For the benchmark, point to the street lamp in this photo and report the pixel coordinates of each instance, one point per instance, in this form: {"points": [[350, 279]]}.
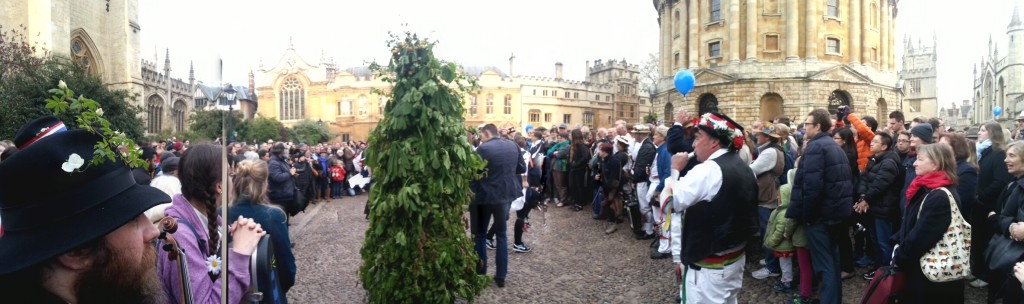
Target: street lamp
{"points": [[227, 98]]}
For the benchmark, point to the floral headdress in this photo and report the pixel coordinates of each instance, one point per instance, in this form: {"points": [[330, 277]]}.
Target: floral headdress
{"points": [[722, 127]]}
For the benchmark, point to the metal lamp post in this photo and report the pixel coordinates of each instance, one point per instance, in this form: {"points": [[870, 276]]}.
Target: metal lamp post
{"points": [[227, 98]]}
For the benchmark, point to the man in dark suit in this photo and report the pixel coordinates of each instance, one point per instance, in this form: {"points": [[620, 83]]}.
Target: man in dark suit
{"points": [[495, 192]]}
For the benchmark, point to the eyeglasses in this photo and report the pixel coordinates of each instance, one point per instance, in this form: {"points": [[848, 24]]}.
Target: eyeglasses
{"points": [[808, 124]]}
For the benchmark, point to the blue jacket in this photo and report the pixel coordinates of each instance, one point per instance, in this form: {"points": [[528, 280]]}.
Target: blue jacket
{"points": [[273, 222], [664, 166], [502, 182], [280, 184], [823, 187]]}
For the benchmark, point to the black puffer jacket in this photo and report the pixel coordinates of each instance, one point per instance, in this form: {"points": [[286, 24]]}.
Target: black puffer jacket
{"points": [[644, 158], [881, 184], [823, 186]]}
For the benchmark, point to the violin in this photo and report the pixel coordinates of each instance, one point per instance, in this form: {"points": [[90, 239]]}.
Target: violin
{"points": [[168, 226]]}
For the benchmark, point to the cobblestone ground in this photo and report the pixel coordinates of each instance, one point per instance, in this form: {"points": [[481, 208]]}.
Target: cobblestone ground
{"points": [[572, 261]]}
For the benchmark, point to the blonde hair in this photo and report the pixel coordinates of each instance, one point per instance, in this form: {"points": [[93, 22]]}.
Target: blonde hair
{"points": [[1016, 147], [942, 156], [250, 181]]}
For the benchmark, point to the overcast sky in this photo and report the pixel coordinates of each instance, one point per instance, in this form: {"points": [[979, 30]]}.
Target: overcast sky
{"points": [[485, 33]]}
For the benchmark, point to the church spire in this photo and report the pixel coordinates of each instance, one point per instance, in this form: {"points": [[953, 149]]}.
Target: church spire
{"points": [[1015, 21], [167, 62], [191, 72]]}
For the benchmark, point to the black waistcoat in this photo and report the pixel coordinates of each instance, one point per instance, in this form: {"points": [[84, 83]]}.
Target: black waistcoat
{"points": [[725, 221]]}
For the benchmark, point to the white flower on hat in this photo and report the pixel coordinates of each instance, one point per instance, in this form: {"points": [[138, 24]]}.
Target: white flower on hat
{"points": [[213, 265], [74, 162], [99, 111]]}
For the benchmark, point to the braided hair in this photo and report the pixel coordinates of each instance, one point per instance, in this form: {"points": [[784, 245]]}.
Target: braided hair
{"points": [[200, 173]]}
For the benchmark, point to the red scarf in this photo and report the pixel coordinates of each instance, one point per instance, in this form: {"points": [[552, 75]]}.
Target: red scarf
{"points": [[931, 181]]}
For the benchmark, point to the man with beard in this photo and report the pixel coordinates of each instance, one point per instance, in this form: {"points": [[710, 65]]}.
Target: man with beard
{"points": [[74, 232]]}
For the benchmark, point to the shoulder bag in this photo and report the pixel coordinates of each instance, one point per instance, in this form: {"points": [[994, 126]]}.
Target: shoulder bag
{"points": [[948, 261]]}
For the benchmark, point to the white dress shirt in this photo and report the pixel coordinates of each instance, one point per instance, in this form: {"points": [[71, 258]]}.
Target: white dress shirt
{"points": [[700, 184]]}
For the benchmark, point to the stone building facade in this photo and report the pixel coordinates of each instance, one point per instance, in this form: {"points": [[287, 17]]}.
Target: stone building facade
{"points": [[999, 80], [919, 77], [758, 59], [105, 37], [345, 100]]}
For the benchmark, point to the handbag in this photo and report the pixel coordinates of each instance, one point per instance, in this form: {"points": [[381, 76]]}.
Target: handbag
{"points": [[885, 287], [948, 261], [1002, 252]]}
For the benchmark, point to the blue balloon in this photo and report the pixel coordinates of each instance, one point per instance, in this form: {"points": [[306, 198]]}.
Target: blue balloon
{"points": [[997, 111], [685, 82]]}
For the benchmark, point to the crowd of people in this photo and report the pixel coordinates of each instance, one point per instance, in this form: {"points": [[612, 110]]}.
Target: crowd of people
{"points": [[119, 214], [812, 200], [831, 193]]}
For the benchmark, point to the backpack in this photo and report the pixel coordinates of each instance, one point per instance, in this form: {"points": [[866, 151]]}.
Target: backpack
{"points": [[790, 159]]}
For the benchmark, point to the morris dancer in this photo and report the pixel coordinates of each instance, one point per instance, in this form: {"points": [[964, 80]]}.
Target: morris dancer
{"points": [[718, 199]]}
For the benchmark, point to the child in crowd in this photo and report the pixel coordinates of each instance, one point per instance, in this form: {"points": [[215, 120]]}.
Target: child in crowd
{"points": [[787, 239], [337, 179]]}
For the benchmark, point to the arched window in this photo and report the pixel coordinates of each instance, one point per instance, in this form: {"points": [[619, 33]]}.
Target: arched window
{"points": [[508, 104], [472, 106], [771, 106], [836, 99], [490, 104], [669, 111], [345, 107], [1001, 95], [154, 114], [292, 99], [708, 103], [883, 107], [81, 53], [363, 111], [180, 113]]}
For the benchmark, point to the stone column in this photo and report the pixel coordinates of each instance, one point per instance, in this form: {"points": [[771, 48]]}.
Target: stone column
{"points": [[792, 31], [734, 31], [865, 21], [883, 34], [854, 17], [693, 44], [667, 40], [683, 44], [752, 36], [811, 16]]}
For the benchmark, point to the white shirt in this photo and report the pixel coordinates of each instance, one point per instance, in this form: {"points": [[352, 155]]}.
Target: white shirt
{"points": [[700, 184], [765, 161], [653, 174]]}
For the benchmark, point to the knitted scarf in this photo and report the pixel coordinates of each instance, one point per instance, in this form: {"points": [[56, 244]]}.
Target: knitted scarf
{"points": [[931, 181]]}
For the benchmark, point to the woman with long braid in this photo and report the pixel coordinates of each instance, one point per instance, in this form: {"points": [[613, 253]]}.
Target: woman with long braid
{"points": [[198, 233]]}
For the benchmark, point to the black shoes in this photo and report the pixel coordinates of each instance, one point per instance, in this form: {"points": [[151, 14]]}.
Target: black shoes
{"points": [[645, 236], [500, 282], [660, 255]]}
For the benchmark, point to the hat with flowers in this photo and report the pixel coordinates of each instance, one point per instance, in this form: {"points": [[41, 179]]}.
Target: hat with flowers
{"points": [[722, 127]]}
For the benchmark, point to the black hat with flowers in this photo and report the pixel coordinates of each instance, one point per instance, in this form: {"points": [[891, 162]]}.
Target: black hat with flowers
{"points": [[53, 200], [722, 127]]}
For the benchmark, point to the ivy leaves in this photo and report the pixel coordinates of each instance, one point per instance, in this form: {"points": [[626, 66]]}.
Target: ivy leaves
{"points": [[416, 249]]}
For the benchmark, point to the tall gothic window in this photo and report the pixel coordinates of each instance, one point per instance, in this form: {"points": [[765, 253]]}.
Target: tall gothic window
{"points": [[292, 100], [508, 104], [154, 114], [490, 104], [716, 10], [82, 54], [180, 111]]}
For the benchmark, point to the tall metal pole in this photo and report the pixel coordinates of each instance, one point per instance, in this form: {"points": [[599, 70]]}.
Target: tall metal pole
{"points": [[224, 186]]}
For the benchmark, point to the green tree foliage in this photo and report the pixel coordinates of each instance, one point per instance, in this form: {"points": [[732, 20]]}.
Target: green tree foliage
{"points": [[310, 132], [26, 79], [261, 129], [207, 125], [651, 118], [416, 249]]}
